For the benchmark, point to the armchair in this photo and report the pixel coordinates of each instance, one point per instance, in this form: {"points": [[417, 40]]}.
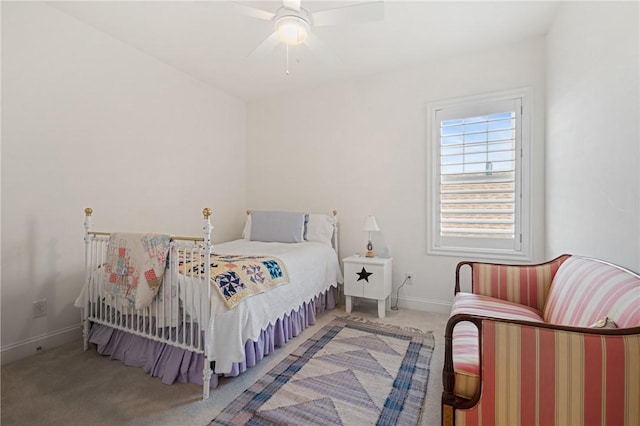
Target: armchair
{"points": [[521, 349]]}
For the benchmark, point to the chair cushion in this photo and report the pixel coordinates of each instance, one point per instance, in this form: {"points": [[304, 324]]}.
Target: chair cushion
{"points": [[585, 290], [466, 358]]}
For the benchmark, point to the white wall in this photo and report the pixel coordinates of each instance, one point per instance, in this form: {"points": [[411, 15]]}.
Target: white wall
{"points": [[90, 121], [359, 147], [593, 133]]}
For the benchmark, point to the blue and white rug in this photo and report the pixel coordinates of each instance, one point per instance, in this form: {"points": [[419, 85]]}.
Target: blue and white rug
{"points": [[350, 372]]}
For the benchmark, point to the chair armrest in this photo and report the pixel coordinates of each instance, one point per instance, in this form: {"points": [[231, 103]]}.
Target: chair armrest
{"points": [[540, 373], [458, 267], [524, 284]]}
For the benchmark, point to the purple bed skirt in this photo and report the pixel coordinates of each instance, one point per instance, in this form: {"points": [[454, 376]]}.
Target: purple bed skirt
{"points": [[174, 364]]}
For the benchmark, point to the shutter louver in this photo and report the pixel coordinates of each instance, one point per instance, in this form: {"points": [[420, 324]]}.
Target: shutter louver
{"points": [[478, 175]]}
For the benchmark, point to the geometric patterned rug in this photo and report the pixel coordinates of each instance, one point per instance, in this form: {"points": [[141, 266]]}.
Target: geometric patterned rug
{"points": [[350, 372]]}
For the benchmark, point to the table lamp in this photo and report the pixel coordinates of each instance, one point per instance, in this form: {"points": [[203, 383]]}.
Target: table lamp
{"points": [[370, 225]]}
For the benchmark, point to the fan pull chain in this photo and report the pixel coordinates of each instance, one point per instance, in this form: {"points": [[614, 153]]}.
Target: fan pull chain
{"points": [[287, 71]]}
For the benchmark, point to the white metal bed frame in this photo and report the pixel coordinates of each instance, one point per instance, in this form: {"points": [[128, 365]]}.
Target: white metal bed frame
{"points": [[189, 331]]}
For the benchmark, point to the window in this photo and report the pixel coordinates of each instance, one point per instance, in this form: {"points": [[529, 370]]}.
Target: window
{"points": [[478, 154]]}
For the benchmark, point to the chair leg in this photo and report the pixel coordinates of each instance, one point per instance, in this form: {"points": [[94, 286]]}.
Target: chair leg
{"points": [[447, 415]]}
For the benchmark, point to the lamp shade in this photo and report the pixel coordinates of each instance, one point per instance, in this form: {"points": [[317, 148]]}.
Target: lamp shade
{"points": [[371, 224], [292, 30]]}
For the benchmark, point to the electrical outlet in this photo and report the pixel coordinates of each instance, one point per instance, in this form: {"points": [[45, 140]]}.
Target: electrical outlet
{"points": [[40, 308], [408, 277]]}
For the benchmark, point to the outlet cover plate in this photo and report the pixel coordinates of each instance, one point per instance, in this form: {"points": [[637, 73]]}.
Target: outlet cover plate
{"points": [[40, 308]]}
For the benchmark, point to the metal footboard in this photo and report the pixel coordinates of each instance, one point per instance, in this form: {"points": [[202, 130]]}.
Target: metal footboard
{"points": [[180, 312]]}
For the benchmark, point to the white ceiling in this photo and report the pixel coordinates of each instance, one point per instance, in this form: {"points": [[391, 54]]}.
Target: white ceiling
{"points": [[210, 40]]}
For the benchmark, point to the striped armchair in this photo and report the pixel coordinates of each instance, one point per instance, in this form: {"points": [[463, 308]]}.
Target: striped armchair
{"points": [[535, 344]]}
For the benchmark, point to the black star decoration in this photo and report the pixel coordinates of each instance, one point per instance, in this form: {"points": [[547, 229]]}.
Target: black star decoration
{"points": [[364, 275]]}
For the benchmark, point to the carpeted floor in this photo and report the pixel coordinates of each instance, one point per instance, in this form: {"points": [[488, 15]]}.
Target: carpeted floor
{"points": [[67, 386]]}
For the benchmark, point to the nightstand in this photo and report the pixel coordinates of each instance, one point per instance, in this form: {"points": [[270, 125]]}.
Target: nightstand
{"points": [[368, 277]]}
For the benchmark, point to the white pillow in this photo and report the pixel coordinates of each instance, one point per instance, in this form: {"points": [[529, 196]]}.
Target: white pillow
{"points": [[320, 228]]}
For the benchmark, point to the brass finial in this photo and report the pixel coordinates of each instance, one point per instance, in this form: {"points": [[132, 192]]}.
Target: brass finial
{"points": [[206, 212], [248, 212], [88, 211], [335, 212]]}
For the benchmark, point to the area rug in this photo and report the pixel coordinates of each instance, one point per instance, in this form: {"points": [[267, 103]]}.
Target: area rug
{"points": [[351, 372]]}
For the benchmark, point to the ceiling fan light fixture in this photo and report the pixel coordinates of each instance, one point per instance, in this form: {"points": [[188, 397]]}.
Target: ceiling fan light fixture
{"points": [[292, 30]]}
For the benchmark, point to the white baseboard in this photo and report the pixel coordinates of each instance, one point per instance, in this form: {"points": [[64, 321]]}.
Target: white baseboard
{"points": [[426, 305], [25, 348]]}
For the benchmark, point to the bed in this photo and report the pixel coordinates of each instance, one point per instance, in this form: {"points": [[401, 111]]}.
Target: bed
{"points": [[265, 289]]}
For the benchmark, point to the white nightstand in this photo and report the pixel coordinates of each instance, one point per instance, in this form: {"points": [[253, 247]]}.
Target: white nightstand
{"points": [[368, 277]]}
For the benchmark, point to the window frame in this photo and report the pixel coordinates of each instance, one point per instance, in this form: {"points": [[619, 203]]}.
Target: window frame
{"points": [[459, 246]]}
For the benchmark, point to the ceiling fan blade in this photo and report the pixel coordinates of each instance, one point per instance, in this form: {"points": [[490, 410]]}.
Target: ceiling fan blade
{"points": [[252, 12], [292, 4], [321, 50], [362, 12], [264, 48]]}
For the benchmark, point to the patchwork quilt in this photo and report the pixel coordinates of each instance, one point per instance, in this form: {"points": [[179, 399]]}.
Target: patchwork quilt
{"points": [[237, 276], [135, 266]]}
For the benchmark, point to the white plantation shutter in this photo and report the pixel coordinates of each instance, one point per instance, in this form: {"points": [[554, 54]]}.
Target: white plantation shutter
{"points": [[476, 190]]}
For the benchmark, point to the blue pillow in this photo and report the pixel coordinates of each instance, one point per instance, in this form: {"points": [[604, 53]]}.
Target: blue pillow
{"points": [[279, 227]]}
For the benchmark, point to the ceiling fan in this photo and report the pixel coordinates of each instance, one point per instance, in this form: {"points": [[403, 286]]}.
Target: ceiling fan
{"points": [[293, 25]]}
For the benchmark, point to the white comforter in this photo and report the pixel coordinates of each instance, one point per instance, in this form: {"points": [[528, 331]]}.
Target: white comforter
{"points": [[313, 268]]}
